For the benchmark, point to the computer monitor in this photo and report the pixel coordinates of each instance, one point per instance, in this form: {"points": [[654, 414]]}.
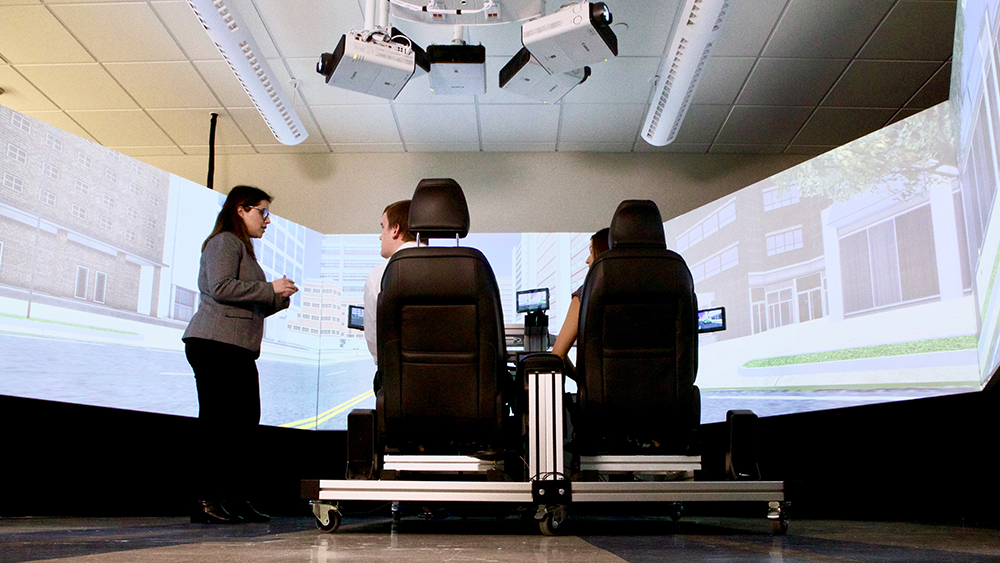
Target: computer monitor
{"points": [[356, 317], [532, 300], [712, 320]]}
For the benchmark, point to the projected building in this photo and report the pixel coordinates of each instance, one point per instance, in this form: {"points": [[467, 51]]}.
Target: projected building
{"points": [[553, 260], [347, 260], [323, 313], [774, 257], [78, 221]]}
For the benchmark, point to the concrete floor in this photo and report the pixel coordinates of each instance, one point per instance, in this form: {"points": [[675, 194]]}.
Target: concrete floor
{"points": [[593, 540]]}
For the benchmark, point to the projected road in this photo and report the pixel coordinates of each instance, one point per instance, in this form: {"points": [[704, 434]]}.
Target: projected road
{"points": [[143, 379]]}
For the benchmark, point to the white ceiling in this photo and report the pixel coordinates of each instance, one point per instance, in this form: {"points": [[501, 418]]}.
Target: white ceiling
{"points": [[787, 76]]}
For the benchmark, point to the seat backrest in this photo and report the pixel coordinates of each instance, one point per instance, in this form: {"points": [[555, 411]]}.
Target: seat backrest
{"points": [[441, 347], [637, 345]]}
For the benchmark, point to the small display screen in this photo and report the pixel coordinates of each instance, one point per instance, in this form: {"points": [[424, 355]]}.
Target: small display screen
{"points": [[356, 317], [712, 320], [533, 300]]}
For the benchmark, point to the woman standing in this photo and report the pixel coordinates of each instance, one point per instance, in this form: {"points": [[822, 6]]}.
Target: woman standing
{"points": [[222, 344]]}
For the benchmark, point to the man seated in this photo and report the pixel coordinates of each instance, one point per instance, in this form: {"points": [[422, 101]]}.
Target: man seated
{"points": [[395, 235]]}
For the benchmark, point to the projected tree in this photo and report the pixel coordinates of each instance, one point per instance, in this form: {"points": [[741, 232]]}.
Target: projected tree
{"points": [[899, 161]]}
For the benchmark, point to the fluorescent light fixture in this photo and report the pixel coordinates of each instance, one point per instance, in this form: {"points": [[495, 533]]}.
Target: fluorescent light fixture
{"points": [[683, 63], [226, 29]]}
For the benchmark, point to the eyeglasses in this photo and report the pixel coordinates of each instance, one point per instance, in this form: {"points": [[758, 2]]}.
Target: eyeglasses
{"points": [[263, 212]]}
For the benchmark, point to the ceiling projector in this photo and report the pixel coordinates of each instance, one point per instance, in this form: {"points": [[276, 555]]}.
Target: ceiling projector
{"points": [[457, 69], [524, 75], [370, 64], [577, 35]]}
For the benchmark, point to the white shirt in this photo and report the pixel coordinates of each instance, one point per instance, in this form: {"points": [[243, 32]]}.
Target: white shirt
{"points": [[373, 285]]}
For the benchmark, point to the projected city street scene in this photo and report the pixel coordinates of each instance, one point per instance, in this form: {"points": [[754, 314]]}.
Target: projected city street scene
{"points": [[975, 98], [847, 280], [849, 272]]}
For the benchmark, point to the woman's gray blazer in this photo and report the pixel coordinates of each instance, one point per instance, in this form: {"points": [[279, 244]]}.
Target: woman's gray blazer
{"points": [[235, 295]]}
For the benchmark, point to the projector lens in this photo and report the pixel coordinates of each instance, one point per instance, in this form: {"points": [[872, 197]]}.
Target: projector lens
{"points": [[600, 14]]}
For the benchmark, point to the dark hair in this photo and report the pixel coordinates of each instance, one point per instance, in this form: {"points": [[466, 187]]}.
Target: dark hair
{"points": [[229, 218], [399, 214], [601, 241]]}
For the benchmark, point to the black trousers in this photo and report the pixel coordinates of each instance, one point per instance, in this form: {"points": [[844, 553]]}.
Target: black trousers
{"points": [[223, 463]]}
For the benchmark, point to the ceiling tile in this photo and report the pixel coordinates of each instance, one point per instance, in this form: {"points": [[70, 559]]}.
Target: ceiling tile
{"points": [[809, 149], [136, 152], [762, 125], [643, 27], [443, 147], [304, 28], [746, 149], [747, 27], [821, 29], [357, 125], [618, 81], [839, 126], [879, 83], [593, 123], [223, 82], [914, 31], [438, 124], [577, 146], [935, 91], [701, 124], [137, 31], [791, 82], [903, 114], [519, 123], [62, 83], [722, 80], [19, 94], [519, 147], [189, 127], [305, 148], [219, 149], [123, 128], [188, 32], [253, 126], [176, 85], [13, 2], [62, 121], [366, 147], [30, 34], [643, 146]]}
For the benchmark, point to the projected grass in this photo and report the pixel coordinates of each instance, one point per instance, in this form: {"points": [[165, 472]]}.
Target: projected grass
{"points": [[60, 323], [883, 350]]}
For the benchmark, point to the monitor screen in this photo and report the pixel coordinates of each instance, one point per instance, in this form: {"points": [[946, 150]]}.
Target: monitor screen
{"points": [[531, 300], [712, 320], [356, 317]]}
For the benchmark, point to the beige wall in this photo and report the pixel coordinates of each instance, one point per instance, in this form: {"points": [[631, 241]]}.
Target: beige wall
{"points": [[507, 192]]}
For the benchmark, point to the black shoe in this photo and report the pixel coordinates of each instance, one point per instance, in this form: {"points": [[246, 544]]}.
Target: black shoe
{"points": [[212, 512], [244, 510]]}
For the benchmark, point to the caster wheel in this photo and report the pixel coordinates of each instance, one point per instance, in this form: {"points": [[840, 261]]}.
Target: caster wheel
{"points": [[779, 527], [778, 514], [553, 523], [333, 522], [676, 511]]}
